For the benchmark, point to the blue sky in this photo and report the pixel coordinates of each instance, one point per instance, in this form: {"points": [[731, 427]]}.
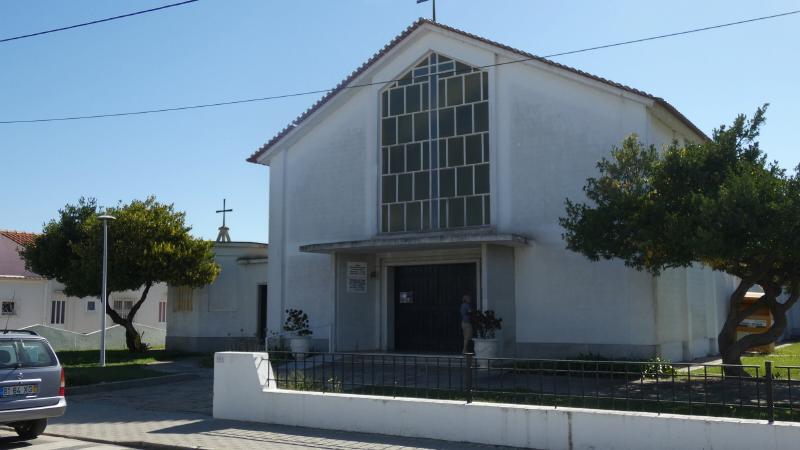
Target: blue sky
{"points": [[217, 50]]}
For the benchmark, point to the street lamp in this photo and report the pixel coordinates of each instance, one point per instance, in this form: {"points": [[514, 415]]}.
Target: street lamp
{"points": [[104, 293]]}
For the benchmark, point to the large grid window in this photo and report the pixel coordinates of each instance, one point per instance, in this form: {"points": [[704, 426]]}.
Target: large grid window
{"points": [[435, 148]]}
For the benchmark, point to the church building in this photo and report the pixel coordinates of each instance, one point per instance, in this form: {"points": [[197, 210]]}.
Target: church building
{"points": [[440, 168]]}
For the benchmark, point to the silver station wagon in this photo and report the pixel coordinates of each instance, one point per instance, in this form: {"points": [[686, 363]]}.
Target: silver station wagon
{"points": [[31, 383]]}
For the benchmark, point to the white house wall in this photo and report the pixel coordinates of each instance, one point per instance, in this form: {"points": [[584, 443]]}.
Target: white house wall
{"points": [[548, 129]]}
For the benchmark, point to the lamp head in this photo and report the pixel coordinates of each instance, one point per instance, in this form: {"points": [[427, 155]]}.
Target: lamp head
{"points": [[105, 217]]}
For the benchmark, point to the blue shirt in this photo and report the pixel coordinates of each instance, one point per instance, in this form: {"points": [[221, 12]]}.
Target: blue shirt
{"points": [[465, 309]]}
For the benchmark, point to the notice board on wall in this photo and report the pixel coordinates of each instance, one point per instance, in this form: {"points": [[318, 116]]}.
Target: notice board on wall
{"points": [[357, 277]]}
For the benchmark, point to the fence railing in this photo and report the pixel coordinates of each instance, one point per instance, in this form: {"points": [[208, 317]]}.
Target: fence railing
{"points": [[651, 386]]}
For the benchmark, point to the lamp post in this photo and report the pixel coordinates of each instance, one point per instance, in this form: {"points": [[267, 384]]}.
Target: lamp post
{"points": [[104, 293]]}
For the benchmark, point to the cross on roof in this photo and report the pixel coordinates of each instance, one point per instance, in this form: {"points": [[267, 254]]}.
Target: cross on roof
{"points": [[223, 235]]}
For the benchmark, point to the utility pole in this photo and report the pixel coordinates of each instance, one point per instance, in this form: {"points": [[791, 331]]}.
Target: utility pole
{"points": [[104, 293]]}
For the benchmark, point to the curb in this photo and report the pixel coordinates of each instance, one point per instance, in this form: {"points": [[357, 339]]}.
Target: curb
{"points": [[131, 444], [129, 384]]}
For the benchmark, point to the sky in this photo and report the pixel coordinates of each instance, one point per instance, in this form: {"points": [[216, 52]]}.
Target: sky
{"points": [[215, 50]]}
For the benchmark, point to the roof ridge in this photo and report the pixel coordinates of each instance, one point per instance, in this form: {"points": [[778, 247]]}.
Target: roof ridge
{"points": [[413, 27]]}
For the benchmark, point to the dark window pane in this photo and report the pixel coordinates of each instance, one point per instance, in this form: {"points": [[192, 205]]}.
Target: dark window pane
{"points": [[445, 70], [421, 185], [464, 119], [486, 147], [426, 215], [455, 212], [385, 104], [384, 219], [454, 91], [474, 211], [442, 153], [421, 126], [464, 178], [447, 183], [482, 179], [446, 122], [443, 58], [455, 151], [412, 98], [432, 59], [389, 189], [413, 157], [396, 217], [422, 63], [461, 68], [485, 78], [405, 80], [389, 131], [487, 218], [473, 149], [441, 95], [481, 116], [426, 162], [397, 159], [413, 216], [396, 101], [472, 88], [404, 129], [404, 189], [443, 214], [425, 97], [420, 75], [385, 160], [434, 183]]}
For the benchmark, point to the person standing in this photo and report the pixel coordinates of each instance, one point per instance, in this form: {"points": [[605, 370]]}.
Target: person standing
{"points": [[466, 323]]}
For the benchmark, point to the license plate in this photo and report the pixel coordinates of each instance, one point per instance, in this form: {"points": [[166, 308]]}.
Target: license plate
{"points": [[25, 389]]}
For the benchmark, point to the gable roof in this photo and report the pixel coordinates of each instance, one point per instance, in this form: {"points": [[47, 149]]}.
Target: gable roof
{"points": [[419, 23], [22, 238]]}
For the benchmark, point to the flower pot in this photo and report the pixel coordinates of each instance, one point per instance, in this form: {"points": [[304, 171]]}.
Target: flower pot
{"points": [[300, 346], [485, 348]]}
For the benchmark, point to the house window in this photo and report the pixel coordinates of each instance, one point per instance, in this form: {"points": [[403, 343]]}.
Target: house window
{"points": [[8, 309], [183, 300], [57, 312], [435, 148], [162, 312], [91, 305], [123, 307]]}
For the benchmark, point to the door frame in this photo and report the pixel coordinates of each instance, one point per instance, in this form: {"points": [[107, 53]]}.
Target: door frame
{"points": [[387, 264]]}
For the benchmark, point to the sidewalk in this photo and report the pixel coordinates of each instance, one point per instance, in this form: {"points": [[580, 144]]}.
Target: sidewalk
{"points": [[101, 421]]}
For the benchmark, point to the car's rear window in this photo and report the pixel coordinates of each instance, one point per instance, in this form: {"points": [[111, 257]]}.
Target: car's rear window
{"points": [[35, 353], [8, 354]]}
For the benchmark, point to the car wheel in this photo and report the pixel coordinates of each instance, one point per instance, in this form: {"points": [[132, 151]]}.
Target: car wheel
{"points": [[30, 429]]}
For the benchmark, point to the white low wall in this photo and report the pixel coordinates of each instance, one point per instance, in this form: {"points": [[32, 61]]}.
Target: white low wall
{"points": [[63, 340], [241, 392]]}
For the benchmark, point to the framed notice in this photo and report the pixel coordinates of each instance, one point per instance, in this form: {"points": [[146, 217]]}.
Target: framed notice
{"points": [[357, 277]]}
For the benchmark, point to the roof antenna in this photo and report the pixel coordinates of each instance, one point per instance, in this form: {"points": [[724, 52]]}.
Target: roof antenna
{"points": [[434, 7]]}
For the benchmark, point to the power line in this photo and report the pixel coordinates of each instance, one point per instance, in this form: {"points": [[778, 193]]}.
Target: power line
{"points": [[108, 19], [323, 91]]}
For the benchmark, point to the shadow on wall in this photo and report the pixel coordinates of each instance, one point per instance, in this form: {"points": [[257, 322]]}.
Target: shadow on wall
{"points": [[62, 340]]}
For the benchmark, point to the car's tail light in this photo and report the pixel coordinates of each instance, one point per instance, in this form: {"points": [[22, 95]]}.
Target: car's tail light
{"points": [[62, 386]]}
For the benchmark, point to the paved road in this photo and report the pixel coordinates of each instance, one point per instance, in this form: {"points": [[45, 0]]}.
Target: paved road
{"points": [[9, 440]]}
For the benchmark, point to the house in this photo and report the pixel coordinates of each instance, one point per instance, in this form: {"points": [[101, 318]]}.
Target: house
{"points": [[228, 314], [28, 300], [440, 167]]}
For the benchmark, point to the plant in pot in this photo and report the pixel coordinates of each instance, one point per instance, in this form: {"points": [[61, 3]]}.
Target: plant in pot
{"points": [[485, 325], [296, 324]]}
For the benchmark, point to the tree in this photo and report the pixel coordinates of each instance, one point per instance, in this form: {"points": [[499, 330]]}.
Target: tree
{"points": [[718, 203], [148, 243]]}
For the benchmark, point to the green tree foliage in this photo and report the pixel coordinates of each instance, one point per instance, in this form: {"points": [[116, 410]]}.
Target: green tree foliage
{"points": [[149, 243], [719, 203]]}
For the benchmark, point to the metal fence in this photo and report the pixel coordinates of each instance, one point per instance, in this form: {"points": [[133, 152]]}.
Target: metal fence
{"points": [[651, 386]]}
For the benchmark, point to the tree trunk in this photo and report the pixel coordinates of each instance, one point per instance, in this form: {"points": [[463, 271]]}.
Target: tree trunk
{"points": [[732, 348], [133, 339]]}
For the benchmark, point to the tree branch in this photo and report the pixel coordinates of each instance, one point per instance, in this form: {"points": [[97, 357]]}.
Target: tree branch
{"points": [[138, 304], [115, 317]]}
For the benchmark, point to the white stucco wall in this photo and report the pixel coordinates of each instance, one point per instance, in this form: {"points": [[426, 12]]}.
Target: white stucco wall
{"points": [[548, 129], [226, 310]]}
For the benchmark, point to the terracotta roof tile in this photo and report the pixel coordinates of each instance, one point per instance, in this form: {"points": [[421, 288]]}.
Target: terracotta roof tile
{"points": [[342, 85], [19, 237]]}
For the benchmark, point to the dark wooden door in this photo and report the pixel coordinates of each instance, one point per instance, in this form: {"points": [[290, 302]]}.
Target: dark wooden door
{"points": [[262, 312], [426, 306]]}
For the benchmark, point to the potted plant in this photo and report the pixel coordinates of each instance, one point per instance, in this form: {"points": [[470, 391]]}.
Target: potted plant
{"points": [[296, 324], [485, 324]]}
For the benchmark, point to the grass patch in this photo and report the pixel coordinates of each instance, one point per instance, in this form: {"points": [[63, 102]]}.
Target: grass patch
{"points": [[83, 368], [788, 355]]}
